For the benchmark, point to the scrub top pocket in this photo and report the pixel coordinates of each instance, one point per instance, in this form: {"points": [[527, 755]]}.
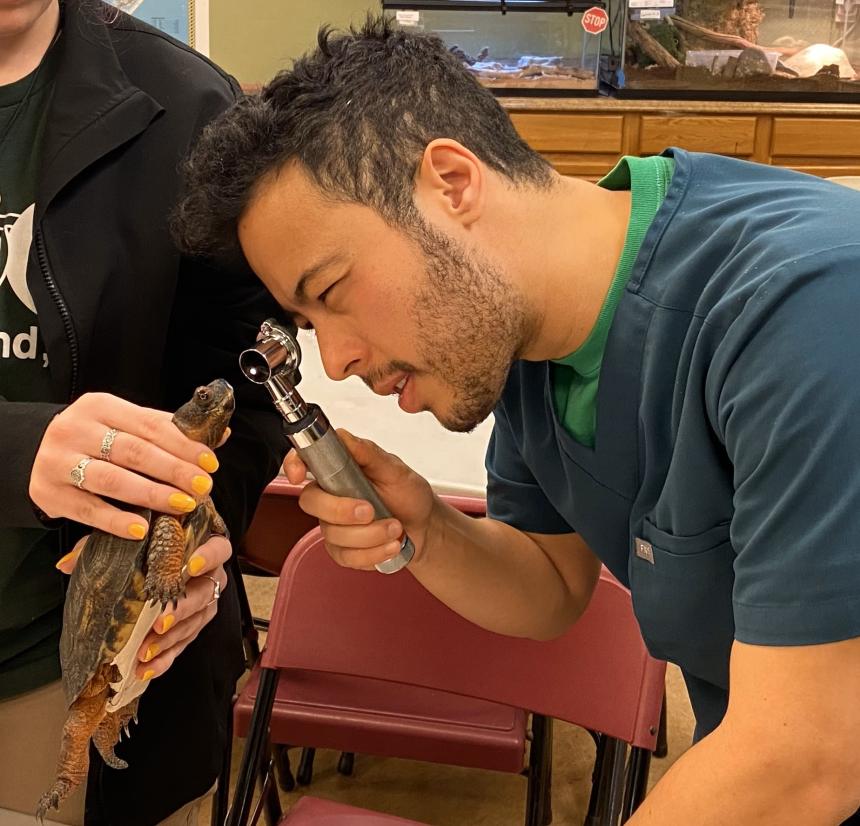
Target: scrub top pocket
{"points": [[681, 588]]}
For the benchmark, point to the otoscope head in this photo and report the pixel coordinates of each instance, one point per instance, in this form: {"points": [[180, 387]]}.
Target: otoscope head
{"points": [[277, 352]]}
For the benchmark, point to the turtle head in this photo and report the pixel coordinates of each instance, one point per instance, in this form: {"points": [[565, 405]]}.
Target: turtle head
{"points": [[206, 415]]}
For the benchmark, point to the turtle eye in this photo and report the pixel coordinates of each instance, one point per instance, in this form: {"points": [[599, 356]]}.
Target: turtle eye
{"points": [[203, 394]]}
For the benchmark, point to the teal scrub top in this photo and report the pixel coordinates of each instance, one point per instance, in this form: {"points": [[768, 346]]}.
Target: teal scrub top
{"points": [[722, 487]]}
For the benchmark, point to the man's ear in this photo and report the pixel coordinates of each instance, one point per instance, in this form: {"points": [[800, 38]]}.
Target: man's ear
{"points": [[451, 178]]}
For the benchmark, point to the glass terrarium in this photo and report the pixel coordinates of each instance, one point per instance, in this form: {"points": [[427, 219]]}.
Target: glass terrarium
{"points": [[741, 49], [517, 47]]}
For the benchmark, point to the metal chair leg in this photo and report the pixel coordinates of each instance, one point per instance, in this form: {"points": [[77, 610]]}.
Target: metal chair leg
{"points": [[221, 801], [604, 807], [255, 748], [269, 797], [636, 785], [284, 771], [616, 783], [662, 747], [306, 767], [346, 763], [540, 763], [592, 814]]}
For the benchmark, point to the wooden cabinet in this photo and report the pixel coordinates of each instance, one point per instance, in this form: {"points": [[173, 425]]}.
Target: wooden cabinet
{"points": [[586, 136]]}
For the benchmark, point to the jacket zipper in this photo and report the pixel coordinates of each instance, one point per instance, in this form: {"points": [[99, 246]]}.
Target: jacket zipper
{"points": [[60, 302], [63, 534]]}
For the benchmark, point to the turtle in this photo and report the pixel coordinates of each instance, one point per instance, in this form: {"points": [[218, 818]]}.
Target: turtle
{"points": [[117, 589]]}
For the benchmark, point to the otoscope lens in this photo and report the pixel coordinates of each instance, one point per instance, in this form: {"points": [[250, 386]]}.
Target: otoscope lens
{"points": [[255, 366]]}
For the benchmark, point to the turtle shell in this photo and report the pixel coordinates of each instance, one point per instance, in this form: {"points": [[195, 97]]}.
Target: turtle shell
{"points": [[103, 601]]}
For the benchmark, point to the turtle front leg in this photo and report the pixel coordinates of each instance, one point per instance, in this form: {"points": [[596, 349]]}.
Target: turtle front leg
{"points": [[85, 715], [165, 559]]}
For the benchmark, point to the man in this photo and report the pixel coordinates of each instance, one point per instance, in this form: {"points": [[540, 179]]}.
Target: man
{"points": [[673, 364], [101, 321]]}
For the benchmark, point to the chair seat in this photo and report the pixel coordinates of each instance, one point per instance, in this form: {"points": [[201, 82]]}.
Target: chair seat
{"points": [[318, 812], [376, 717]]}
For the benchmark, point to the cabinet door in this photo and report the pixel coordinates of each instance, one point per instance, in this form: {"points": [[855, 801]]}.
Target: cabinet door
{"points": [[587, 145], [821, 146], [724, 135]]}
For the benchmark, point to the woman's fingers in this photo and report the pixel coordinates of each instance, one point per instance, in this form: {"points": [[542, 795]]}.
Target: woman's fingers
{"points": [[136, 454], [207, 581], [104, 448], [164, 657], [181, 625], [67, 563], [154, 426]]}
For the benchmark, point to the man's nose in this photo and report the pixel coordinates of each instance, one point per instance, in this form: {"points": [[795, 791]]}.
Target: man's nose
{"points": [[341, 354]]}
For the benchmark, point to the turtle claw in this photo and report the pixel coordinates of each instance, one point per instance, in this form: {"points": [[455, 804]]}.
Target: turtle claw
{"points": [[126, 729], [49, 800], [163, 592], [110, 758]]}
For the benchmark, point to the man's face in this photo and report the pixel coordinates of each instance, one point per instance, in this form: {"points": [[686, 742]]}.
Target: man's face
{"points": [[422, 317]]}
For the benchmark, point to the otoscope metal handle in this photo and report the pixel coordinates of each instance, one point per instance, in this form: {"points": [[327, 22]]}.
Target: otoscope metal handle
{"points": [[337, 473]]}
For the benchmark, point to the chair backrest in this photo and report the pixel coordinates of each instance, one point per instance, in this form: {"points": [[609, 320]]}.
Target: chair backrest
{"points": [[332, 619], [279, 523]]}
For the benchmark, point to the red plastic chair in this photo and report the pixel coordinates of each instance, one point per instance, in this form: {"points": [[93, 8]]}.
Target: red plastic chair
{"points": [[376, 664], [278, 524]]}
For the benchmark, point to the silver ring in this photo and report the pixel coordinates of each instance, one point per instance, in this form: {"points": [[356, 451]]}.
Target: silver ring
{"points": [[107, 444], [216, 590], [78, 471]]}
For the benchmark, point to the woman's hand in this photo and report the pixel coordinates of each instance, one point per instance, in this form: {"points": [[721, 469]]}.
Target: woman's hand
{"points": [[354, 537], [126, 453], [175, 628]]}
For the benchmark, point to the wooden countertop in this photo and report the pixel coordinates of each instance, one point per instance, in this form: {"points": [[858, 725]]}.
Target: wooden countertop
{"points": [[602, 103]]}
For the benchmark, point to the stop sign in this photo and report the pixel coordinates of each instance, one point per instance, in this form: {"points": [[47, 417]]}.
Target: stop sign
{"points": [[595, 20]]}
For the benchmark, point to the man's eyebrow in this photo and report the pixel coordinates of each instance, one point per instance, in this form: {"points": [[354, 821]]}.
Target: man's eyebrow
{"points": [[301, 292]]}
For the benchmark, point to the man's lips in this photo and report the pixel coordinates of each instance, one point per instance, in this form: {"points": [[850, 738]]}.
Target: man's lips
{"points": [[391, 385]]}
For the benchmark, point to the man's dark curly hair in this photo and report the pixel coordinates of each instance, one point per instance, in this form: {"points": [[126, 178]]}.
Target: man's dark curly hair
{"points": [[357, 113]]}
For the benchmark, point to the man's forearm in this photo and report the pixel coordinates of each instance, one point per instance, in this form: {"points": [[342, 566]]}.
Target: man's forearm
{"points": [[725, 779], [498, 577]]}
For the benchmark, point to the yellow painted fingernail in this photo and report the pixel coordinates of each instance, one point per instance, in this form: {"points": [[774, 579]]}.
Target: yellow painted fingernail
{"points": [[149, 674], [201, 485], [69, 556], [195, 565], [181, 502], [208, 462], [136, 530], [167, 623], [151, 651]]}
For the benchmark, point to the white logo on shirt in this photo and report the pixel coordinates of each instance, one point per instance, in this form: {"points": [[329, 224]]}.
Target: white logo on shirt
{"points": [[16, 235]]}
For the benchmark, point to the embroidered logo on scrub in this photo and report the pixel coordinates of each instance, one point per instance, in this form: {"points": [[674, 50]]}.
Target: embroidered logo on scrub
{"points": [[644, 550]]}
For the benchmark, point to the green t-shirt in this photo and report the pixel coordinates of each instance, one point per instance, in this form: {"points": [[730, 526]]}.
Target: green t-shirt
{"points": [[575, 377], [31, 589]]}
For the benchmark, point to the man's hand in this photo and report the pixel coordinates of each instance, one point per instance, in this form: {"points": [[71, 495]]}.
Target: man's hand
{"points": [[353, 536], [176, 628], [150, 464]]}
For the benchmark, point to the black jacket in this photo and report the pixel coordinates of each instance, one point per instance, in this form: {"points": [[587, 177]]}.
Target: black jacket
{"points": [[121, 311]]}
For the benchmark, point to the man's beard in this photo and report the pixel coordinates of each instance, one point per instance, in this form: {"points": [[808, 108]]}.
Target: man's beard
{"points": [[472, 326]]}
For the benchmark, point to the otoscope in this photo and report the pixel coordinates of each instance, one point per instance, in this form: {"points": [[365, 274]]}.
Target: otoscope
{"points": [[273, 363]]}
